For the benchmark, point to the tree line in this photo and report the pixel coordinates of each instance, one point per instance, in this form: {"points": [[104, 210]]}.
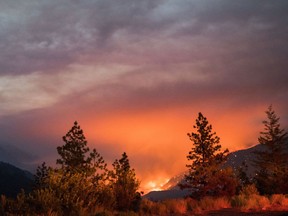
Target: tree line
{"points": [[207, 175], [83, 185]]}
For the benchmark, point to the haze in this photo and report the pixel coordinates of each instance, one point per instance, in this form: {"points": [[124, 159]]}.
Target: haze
{"points": [[135, 74]]}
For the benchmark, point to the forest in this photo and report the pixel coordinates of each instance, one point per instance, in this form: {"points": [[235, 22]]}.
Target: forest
{"points": [[82, 184]]}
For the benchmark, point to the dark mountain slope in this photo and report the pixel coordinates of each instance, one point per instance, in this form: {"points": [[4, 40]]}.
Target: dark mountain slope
{"points": [[13, 179]]}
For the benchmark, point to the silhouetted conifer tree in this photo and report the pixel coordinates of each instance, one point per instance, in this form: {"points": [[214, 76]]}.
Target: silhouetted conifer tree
{"points": [[271, 163], [76, 156], [40, 178], [206, 159], [73, 153]]}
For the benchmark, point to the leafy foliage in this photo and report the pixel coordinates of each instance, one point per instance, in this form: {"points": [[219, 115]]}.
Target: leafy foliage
{"points": [[68, 193]]}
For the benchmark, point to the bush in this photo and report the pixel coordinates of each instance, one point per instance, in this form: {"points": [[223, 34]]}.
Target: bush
{"points": [[249, 190], [210, 203], [279, 201], [252, 202], [257, 202], [238, 201]]}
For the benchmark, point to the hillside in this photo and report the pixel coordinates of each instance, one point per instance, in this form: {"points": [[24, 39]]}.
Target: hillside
{"points": [[13, 179], [235, 159]]}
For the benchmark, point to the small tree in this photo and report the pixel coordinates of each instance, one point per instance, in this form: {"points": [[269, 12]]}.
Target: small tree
{"points": [[206, 159], [42, 173], [271, 163], [125, 185]]}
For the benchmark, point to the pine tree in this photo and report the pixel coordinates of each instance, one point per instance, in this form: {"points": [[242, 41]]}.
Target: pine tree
{"points": [[206, 159], [76, 155], [78, 187], [271, 163], [73, 153], [40, 178], [125, 185], [80, 183]]}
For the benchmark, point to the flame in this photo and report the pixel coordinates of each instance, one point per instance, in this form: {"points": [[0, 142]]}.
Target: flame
{"points": [[155, 185]]}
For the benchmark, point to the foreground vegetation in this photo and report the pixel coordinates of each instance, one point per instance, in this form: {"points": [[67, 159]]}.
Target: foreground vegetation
{"points": [[83, 185], [80, 185], [241, 202], [247, 201]]}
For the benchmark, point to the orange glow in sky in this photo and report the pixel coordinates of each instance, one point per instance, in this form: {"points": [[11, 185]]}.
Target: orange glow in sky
{"points": [[157, 142]]}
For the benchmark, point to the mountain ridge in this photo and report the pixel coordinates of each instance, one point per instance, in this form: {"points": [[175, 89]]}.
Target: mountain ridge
{"points": [[17, 157], [14, 179], [235, 159]]}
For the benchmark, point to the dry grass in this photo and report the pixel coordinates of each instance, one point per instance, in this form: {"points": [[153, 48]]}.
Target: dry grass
{"points": [[182, 206], [152, 208], [279, 202], [176, 206], [256, 202], [244, 202]]}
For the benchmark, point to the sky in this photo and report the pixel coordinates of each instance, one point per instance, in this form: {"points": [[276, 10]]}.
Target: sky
{"points": [[135, 74]]}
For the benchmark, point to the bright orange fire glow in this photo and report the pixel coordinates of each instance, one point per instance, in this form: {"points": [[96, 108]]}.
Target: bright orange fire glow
{"points": [[154, 185], [157, 142]]}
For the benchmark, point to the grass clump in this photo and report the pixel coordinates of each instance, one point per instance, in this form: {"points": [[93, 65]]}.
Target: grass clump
{"points": [[279, 202], [176, 206]]}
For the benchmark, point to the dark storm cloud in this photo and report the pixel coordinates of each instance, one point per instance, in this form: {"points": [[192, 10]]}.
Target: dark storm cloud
{"points": [[49, 35], [240, 48]]}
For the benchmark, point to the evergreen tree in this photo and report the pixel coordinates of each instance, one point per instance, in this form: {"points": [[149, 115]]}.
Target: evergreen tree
{"points": [[79, 187], [80, 183], [73, 153], [77, 157], [271, 163], [206, 159], [125, 185], [42, 173]]}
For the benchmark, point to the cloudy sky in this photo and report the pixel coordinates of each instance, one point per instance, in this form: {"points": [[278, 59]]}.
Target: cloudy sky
{"points": [[135, 74]]}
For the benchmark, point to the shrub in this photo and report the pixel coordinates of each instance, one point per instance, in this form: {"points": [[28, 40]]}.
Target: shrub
{"points": [[257, 202], [252, 202], [239, 201], [222, 202], [249, 190], [279, 201], [210, 203]]}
